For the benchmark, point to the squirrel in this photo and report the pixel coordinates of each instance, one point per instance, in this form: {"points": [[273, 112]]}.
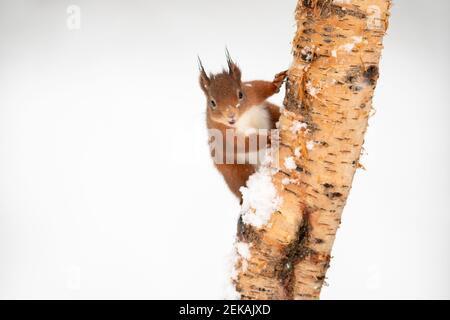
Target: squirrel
{"points": [[241, 107]]}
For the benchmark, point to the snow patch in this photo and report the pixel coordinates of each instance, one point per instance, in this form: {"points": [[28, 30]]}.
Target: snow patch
{"points": [[313, 91], [310, 145], [307, 53], [349, 46], [231, 293], [243, 249], [289, 163], [297, 126], [286, 181], [241, 252], [259, 197]]}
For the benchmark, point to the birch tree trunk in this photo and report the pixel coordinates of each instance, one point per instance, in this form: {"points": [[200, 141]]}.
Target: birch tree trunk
{"points": [[328, 101]]}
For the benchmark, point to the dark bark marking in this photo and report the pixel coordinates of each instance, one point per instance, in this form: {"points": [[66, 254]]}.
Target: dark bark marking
{"points": [[246, 233], [294, 252]]}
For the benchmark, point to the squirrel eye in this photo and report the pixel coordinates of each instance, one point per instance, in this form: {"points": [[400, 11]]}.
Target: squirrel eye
{"points": [[213, 104], [240, 95]]}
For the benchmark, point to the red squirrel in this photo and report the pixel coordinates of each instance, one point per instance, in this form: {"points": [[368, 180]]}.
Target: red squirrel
{"points": [[232, 104]]}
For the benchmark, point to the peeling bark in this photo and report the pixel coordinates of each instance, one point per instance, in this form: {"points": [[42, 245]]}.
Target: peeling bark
{"points": [[336, 52]]}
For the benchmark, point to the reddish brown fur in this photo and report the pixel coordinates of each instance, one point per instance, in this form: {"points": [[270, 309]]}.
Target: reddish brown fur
{"points": [[222, 97]]}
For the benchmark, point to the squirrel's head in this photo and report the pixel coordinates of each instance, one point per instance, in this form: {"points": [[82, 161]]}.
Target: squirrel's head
{"points": [[225, 95]]}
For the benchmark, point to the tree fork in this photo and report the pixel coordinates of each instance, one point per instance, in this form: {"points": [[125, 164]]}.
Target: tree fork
{"points": [[328, 102]]}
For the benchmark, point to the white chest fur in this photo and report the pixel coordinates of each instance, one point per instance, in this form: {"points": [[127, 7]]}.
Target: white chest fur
{"points": [[255, 118]]}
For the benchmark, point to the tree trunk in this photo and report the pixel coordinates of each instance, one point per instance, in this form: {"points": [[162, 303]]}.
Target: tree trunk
{"points": [[328, 102]]}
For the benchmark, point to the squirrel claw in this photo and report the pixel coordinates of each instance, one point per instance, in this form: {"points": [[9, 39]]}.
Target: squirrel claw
{"points": [[279, 79]]}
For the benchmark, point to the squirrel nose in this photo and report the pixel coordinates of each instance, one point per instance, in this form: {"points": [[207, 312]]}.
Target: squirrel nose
{"points": [[232, 118]]}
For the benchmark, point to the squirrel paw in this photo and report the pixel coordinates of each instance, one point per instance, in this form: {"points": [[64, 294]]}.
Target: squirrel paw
{"points": [[279, 79]]}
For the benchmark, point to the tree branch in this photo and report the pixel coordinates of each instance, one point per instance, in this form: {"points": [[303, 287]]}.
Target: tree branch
{"points": [[328, 102]]}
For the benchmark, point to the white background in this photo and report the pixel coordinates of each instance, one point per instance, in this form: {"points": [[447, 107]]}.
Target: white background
{"points": [[106, 186]]}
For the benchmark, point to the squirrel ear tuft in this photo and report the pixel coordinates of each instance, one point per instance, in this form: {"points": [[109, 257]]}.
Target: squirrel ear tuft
{"points": [[233, 69], [204, 79]]}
